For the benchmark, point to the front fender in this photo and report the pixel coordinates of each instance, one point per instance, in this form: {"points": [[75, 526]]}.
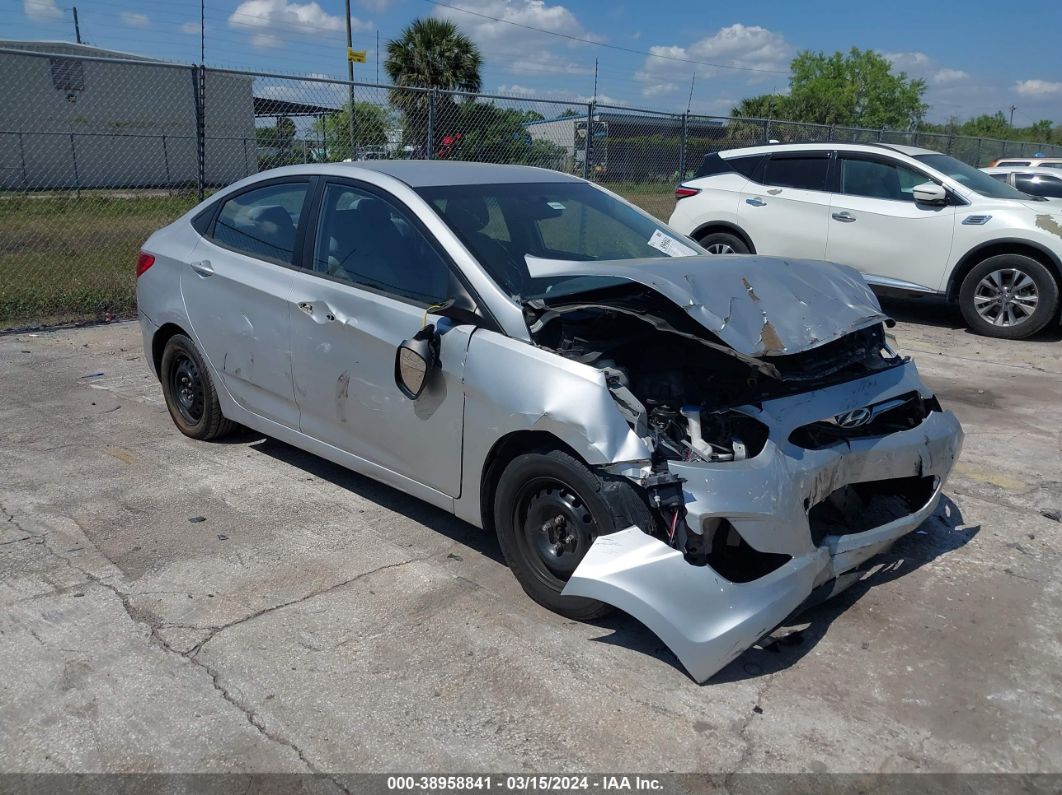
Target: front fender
{"points": [[512, 386]]}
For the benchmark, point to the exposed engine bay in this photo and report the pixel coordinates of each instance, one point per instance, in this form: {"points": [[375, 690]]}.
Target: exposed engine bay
{"points": [[681, 388]]}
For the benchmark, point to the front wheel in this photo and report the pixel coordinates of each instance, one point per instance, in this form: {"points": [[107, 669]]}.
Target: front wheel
{"points": [[723, 243], [548, 509], [1009, 296]]}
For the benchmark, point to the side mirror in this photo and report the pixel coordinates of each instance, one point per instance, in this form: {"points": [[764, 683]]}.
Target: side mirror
{"points": [[415, 360], [930, 193]]}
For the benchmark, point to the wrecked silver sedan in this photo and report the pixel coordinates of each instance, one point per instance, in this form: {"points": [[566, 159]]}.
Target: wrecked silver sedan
{"points": [[709, 444]]}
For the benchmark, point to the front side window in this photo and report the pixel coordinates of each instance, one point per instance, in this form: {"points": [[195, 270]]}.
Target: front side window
{"points": [[501, 224], [969, 176], [261, 223], [368, 241], [1035, 185], [807, 173], [877, 179]]}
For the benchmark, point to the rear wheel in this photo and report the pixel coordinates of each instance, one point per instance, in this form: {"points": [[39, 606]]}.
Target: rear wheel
{"points": [[1010, 296], [723, 243], [189, 391], [548, 509]]}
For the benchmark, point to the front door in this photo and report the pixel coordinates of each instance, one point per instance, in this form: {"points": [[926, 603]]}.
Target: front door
{"points": [[878, 228], [784, 211], [376, 275], [237, 293]]}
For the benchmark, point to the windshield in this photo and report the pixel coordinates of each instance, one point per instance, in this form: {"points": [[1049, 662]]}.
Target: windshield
{"points": [[502, 223], [971, 178]]}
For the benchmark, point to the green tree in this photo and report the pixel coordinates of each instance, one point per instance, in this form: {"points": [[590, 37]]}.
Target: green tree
{"points": [[371, 123], [484, 132], [430, 53], [854, 89]]}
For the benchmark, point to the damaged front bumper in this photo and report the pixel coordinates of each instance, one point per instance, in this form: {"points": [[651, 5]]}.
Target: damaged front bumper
{"points": [[771, 501]]}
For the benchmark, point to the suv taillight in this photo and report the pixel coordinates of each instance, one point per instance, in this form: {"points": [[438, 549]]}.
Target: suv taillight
{"points": [[682, 192], [143, 262]]}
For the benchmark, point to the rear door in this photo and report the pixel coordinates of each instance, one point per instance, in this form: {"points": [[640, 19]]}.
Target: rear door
{"points": [[785, 207], [878, 228], [376, 274], [237, 293]]}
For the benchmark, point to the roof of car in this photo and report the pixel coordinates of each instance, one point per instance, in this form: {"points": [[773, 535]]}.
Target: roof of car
{"points": [[431, 173], [911, 151]]}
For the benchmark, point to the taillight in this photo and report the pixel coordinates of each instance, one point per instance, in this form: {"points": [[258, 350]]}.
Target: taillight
{"points": [[682, 192], [143, 262]]}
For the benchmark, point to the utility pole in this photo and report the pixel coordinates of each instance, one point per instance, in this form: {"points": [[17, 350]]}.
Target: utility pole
{"points": [[350, 77], [1012, 109], [77, 27], [689, 102], [377, 56], [202, 32], [595, 80]]}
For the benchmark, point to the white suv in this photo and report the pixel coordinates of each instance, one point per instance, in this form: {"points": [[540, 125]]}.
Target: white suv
{"points": [[911, 220]]}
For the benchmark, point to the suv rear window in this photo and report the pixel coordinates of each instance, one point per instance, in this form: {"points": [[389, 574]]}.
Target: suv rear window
{"points": [[807, 173], [714, 164]]}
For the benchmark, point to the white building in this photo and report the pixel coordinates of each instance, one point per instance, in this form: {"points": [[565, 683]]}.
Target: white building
{"points": [[67, 121]]}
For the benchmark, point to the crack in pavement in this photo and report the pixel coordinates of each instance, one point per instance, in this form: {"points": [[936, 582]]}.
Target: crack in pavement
{"points": [[137, 617], [215, 631], [761, 694]]}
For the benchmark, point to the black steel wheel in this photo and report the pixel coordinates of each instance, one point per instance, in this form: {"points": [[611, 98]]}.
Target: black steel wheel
{"points": [[548, 509], [189, 391]]}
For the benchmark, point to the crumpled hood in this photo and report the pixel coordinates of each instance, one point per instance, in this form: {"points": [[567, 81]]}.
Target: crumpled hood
{"points": [[759, 306]]}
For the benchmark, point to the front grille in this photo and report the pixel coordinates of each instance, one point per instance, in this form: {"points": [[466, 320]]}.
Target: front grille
{"points": [[859, 507], [910, 411]]}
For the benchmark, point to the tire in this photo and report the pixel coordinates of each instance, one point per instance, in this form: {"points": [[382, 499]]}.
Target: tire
{"points": [[723, 243], [189, 391], [531, 492], [1028, 290]]}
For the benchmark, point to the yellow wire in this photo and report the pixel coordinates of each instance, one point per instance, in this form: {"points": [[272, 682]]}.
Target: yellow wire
{"points": [[426, 311]]}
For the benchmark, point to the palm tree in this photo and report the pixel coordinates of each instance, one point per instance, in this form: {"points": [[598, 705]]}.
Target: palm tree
{"points": [[430, 54]]}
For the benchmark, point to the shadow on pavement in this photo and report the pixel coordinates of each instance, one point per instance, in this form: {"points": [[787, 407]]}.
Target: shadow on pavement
{"points": [[386, 497], [936, 312]]}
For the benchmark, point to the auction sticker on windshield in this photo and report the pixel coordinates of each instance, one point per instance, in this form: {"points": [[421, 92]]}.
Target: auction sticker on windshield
{"points": [[670, 246]]}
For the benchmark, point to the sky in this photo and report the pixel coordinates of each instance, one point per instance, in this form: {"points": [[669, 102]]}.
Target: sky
{"points": [[972, 57]]}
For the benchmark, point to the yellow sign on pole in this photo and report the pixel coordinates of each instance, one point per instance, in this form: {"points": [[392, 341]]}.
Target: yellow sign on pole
{"points": [[355, 56]]}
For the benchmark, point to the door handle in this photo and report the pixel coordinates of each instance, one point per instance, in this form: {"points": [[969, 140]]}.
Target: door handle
{"points": [[203, 267], [844, 217], [756, 201]]}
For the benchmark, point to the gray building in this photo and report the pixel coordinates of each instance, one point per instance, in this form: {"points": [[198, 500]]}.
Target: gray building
{"points": [[68, 121]]}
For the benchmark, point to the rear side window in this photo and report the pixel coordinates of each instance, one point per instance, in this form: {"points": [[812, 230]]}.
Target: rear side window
{"points": [[808, 173], [1013, 163], [261, 223], [1039, 186]]}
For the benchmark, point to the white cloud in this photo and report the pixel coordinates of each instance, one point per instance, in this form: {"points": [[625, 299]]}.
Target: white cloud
{"points": [[945, 75], [752, 49], [922, 66], [41, 10], [524, 51], [1037, 88], [135, 20], [270, 19]]}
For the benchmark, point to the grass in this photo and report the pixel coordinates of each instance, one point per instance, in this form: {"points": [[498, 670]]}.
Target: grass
{"points": [[65, 259]]}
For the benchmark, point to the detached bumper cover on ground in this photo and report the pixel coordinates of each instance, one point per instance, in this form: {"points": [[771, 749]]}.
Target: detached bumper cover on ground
{"points": [[708, 620]]}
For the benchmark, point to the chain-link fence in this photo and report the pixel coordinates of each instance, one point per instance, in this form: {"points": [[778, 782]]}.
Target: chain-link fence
{"points": [[98, 152]]}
